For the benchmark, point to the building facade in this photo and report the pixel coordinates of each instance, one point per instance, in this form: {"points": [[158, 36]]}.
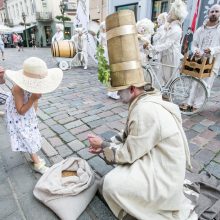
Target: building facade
{"points": [[38, 16], [142, 8], [98, 10]]}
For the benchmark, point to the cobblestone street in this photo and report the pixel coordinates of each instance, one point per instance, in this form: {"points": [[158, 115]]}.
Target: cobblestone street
{"points": [[79, 106]]}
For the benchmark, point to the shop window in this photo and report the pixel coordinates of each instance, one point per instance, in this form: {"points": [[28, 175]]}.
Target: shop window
{"points": [[132, 7], [48, 35], [67, 33]]}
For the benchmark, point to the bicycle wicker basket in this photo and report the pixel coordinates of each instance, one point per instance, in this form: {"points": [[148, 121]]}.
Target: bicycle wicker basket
{"points": [[195, 69]]}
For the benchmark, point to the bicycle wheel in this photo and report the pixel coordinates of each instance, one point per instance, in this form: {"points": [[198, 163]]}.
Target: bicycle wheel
{"points": [[147, 75], [189, 92]]}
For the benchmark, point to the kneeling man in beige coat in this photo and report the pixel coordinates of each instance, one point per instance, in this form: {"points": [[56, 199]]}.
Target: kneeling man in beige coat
{"points": [[152, 152], [151, 155]]}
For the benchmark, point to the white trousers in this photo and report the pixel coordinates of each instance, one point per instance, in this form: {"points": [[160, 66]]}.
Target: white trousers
{"points": [[197, 94]]}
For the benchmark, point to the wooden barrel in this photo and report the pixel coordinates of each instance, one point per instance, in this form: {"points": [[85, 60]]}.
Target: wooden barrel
{"points": [[123, 49], [63, 49]]}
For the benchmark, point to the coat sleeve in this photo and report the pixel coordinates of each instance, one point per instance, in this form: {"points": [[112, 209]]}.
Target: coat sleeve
{"points": [[144, 134], [215, 50], [168, 43]]}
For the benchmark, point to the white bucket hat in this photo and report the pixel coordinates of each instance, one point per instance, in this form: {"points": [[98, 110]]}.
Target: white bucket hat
{"points": [[35, 77]]}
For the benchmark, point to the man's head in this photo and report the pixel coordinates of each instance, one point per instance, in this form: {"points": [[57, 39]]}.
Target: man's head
{"points": [[129, 94], [59, 27], [189, 30], [214, 13]]}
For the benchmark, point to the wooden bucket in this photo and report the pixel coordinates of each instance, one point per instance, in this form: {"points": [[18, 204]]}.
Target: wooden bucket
{"points": [[123, 49], [63, 49]]}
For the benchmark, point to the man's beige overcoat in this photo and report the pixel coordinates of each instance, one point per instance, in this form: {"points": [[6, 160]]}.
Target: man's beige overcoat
{"points": [[152, 155]]}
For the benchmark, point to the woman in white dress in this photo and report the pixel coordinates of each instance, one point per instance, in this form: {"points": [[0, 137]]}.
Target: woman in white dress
{"points": [[161, 30]]}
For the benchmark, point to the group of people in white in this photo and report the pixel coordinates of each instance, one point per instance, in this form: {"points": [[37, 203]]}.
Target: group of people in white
{"points": [[164, 44]]}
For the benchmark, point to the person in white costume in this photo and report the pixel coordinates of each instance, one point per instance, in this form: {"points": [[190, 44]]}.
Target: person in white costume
{"points": [[103, 42], [169, 48], [145, 29], [80, 40], [58, 36], [161, 22], [206, 40], [160, 32]]}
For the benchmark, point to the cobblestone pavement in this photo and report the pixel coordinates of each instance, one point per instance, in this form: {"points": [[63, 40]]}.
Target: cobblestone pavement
{"points": [[66, 116]]}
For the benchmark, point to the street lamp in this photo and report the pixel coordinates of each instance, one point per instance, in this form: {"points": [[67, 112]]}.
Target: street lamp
{"points": [[62, 10], [24, 19]]}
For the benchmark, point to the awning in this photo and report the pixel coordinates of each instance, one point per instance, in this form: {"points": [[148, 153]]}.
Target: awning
{"points": [[30, 26], [20, 28]]}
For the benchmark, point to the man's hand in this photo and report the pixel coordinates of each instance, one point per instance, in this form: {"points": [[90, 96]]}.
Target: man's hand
{"points": [[207, 50], [145, 46], [95, 144], [94, 141], [198, 53]]}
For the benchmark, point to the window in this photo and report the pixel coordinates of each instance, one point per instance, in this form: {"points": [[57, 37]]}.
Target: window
{"points": [[48, 34], [9, 12], [14, 11], [159, 6], [164, 7], [32, 7], [17, 11], [21, 7], [132, 7], [67, 33], [26, 7]]}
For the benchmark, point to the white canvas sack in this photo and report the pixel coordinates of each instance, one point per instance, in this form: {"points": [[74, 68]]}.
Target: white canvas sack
{"points": [[67, 196]]}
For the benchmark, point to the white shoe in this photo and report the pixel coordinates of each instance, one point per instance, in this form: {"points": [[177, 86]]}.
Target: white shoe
{"points": [[2, 113], [113, 95], [85, 67], [40, 168], [41, 160]]}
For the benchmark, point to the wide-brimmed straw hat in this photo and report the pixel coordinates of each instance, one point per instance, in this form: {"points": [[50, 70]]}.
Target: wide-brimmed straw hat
{"points": [[35, 77]]}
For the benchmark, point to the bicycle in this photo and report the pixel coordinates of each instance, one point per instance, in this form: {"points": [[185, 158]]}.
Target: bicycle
{"points": [[179, 87]]}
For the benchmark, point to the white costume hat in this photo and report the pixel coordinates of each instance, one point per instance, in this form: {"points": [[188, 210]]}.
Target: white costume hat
{"points": [[179, 9], [35, 77], [147, 25], [163, 17]]}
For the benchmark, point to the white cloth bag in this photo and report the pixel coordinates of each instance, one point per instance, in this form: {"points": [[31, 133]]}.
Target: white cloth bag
{"points": [[68, 196]]}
